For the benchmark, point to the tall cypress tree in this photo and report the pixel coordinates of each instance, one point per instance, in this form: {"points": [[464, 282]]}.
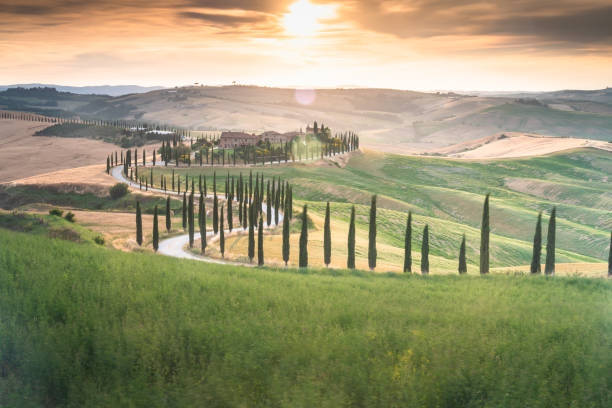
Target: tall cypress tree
{"points": [[408, 244], [549, 268], [462, 260], [303, 261], [138, 224], [285, 238], [215, 214], [260, 247], [536, 263], [327, 238], [191, 221], [202, 217], [168, 218], [484, 238], [184, 211], [372, 235], [350, 263], [155, 231], [221, 235], [230, 215], [245, 215], [276, 205], [251, 234], [610, 257], [425, 251], [268, 205]]}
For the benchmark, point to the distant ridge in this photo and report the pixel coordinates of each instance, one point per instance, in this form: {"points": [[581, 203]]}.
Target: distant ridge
{"points": [[111, 90]]}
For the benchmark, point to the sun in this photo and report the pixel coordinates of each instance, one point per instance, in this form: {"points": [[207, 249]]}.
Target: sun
{"points": [[303, 18]]}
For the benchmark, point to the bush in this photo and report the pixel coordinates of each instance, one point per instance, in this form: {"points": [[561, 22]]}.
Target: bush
{"points": [[118, 190], [69, 216], [99, 240], [56, 211]]}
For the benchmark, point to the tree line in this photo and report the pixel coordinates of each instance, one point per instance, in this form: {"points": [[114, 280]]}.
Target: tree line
{"points": [[278, 194]]}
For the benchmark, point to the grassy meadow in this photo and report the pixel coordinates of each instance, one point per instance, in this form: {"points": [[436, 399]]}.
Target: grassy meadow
{"points": [[82, 325], [448, 195]]}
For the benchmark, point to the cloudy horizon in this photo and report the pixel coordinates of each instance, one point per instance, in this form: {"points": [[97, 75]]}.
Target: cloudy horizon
{"points": [[466, 45]]}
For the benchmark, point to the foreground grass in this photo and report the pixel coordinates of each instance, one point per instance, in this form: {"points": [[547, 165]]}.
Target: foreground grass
{"points": [[87, 326]]}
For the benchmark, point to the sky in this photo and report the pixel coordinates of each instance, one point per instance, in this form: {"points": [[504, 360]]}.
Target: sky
{"points": [[403, 44]]}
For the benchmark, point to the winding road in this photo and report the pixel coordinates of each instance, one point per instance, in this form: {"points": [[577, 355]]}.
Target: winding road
{"points": [[175, 246]]}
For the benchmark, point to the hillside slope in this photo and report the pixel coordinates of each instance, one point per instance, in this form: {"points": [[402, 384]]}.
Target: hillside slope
{"points": [[96, 327], [388, 120]]}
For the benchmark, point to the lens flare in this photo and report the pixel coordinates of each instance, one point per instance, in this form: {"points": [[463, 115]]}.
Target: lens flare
{"points": [[305, 96]]}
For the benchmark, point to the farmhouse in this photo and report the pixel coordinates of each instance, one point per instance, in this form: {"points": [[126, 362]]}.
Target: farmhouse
{"points": [[235, 139]]}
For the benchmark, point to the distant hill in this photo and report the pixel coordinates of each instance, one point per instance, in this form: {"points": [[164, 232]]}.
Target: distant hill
{"points": [[387, 119], [110, 90]]}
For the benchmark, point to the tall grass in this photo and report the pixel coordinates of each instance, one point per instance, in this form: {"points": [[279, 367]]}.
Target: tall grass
{"points": [[87, 326]]}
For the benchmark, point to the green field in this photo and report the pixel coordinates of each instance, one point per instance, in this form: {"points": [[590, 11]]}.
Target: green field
{"points": [[82, 325], [448, 195]]}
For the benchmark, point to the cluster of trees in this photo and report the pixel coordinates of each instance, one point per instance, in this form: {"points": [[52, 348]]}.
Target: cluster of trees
{"points": [[319, 145], [256, 199]]}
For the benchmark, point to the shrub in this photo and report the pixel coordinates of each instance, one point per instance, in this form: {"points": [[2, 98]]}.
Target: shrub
{"points": [[69, 216], [99, 240], [118, 190], [56, 211]]}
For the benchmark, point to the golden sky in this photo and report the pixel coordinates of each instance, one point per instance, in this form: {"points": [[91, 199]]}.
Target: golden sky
{"points": [[411, 44]]}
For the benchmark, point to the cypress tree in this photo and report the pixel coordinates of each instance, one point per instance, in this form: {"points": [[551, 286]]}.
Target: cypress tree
{"points": [[372, 235], [610, 257], [425, 251], [230, 215], [462, 260], [549, 268], [536, 263], [350, 263], [107, 165], [168, 218], [215, 214], [276, 204], [205, 192], [184, 211], [268, 205], [251, 235], [260, 247], [221, 235], [191, 221], [303, 261], [408, 244], [484, 238], [286, 239], [203, 225], [155, 231], [244, 214], [327, 238], [138, 224]]}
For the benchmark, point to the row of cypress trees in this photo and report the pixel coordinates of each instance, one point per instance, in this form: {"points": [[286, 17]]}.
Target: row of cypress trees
{"points": [[251, 200]]}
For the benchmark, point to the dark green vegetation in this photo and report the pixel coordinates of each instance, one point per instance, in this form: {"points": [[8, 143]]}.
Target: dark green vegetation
{"points": [[76, 196], [104, 132], [448, 195], [95, 327], [52, 226]]}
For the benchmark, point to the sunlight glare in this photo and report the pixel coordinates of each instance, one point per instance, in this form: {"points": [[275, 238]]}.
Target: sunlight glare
{"points": [[303, 17]]}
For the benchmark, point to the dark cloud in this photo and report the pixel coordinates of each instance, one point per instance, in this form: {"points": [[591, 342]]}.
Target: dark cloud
{"points": [[223, 19], [571, 21]]}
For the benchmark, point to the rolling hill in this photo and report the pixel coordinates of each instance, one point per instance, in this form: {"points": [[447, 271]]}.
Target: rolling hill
{"points": [[387, 120]]}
